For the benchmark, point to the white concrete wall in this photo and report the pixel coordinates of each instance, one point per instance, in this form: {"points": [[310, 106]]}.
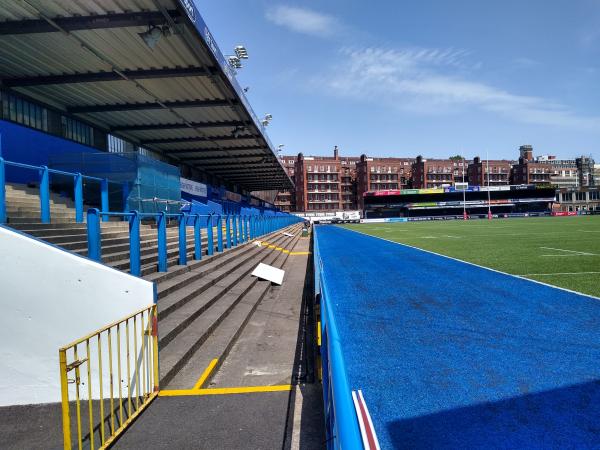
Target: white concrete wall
{"points": [[48, 298]]}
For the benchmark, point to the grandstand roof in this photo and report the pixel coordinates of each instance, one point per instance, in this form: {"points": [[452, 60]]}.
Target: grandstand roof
{"points": [[180, 99]]}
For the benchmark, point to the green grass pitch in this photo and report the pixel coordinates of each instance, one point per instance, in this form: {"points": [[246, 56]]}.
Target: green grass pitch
{"points": [[562, 251]]}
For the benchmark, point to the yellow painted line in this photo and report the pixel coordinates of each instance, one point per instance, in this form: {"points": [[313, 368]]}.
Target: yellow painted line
{"points": [[224, 391], [281, 249], [319, 333], [206, 374]]}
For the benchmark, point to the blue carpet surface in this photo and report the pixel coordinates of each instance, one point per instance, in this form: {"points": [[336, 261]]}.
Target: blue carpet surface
{"points": [[450, 355]]}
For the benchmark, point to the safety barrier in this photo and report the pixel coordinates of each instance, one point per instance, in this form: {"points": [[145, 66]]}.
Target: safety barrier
{"points": [[114, 367], [44, 173], [341, 425], [238, 229]]}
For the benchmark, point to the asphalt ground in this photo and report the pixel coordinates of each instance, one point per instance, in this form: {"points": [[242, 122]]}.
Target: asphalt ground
{"points": [[451, 355]]}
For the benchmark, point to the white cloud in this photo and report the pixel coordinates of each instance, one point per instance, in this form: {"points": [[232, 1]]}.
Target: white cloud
{"points": [[304, 20], [432, 81]]}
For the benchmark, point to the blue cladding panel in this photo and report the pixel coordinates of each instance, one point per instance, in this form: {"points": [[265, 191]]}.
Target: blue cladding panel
{"points": [[24, 145]]}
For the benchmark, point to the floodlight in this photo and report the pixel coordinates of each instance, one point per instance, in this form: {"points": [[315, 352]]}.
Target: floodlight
{"points": [[234, 62], [153, 35], [237, 132], [241, 52], [268, 117]]}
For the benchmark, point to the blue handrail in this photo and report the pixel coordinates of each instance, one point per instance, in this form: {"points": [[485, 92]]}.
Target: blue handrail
{"points": [[95, 217], [44, 174], [341, 424]]}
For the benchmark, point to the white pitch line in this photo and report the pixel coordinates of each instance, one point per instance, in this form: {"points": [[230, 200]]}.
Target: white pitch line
{"points": [[557, 273], [569, 251]]}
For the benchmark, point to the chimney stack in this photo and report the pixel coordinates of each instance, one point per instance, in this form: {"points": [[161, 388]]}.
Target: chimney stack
{"points": [[336, 153]]}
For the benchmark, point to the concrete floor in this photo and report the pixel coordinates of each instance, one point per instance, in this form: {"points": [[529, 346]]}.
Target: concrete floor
{"points": [[273, 349]]}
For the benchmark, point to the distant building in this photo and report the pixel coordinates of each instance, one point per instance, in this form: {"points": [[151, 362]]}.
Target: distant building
{"points": [[527, 171], [563, 172], [499, 172], [380, 174], [432, 173], [336, 183], [585, 171], [579, 200], [318, 182]]}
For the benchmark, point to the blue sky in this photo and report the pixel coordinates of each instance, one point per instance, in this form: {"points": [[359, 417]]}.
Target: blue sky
{"points": [[437, 78]]}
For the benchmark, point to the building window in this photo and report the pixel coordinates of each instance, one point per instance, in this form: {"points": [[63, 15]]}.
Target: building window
{"points": [[77, 131], [24, 112]]}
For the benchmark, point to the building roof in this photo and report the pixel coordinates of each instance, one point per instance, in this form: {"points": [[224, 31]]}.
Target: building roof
{"points": [[180, 99]]}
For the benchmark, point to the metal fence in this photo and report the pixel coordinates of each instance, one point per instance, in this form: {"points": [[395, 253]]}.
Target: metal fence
{"points": [[44, 179], [231, 230], [107, 378]]}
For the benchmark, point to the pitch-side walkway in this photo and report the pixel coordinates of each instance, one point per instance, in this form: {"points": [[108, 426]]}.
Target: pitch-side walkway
{"points": [[261, 395], [450, 355]]}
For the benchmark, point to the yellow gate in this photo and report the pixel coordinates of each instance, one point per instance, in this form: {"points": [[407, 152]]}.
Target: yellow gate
{"points": [[107, 378]]}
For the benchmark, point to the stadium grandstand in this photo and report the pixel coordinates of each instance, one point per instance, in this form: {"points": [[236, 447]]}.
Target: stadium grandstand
{"points": [[450, 202], [129, 160]]}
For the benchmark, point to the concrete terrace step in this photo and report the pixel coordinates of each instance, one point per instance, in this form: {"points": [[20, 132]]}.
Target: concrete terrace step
{"points": [[177, 280], [121, 243], [213, 333], [181, 299], [175, 270]]}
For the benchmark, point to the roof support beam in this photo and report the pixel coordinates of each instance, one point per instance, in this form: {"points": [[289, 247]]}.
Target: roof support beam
{"points": [[179, 126], [149, 106], [108, 76], [177, 151], [79, 23], [228, 161], [244, 171], [195, 139]]}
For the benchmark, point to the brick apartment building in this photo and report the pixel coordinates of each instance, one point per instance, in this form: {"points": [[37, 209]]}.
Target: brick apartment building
{"points": [[333, 183], [325, 183], [376, 174], [499, 172], [286, 199], [530, 171], [433, 173]]}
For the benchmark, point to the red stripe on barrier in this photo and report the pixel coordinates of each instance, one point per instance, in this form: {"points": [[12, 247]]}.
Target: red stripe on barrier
{"points": [[367, 423]]}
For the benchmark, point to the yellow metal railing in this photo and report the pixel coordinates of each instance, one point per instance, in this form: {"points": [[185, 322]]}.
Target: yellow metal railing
{"points": [[115, 367]]}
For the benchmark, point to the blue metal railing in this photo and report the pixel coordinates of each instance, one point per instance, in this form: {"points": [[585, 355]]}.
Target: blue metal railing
{"points": [[341, 425], [44, 177], [243, 228]]}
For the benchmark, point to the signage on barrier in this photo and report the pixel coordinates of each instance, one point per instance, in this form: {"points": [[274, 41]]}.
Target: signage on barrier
{"points": [[193, 187]]}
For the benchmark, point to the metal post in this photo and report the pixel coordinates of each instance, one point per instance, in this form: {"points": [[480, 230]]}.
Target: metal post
{"points": [[126, 197], [64, 391], [104, 197], [78, 188], [244, 228], [45, 194], [197, 238], [228, 230], [2, 192], [235, 240], [220, 234], [241, 229], [209, 233], [93, 235], [134, 245], [182, 240], [162, 241]]}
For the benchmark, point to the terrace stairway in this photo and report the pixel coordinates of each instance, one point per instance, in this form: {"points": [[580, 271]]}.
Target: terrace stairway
{"points": [[202, 306]]}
